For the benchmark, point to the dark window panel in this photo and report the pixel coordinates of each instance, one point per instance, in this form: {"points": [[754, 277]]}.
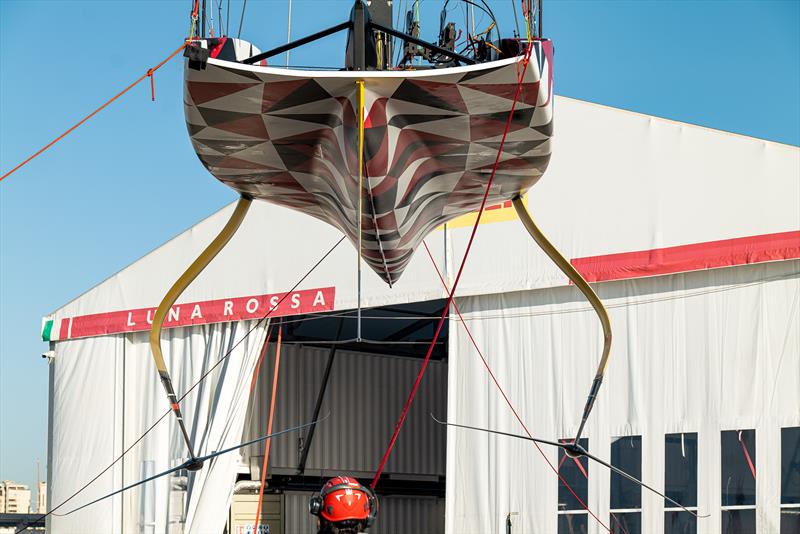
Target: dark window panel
{"points": [[569, 471], [790, 521], [739, 521], [790, 466], [626, 454], [680, 469], [573, 523], [627, 523], [679, 523], [738, 482]]}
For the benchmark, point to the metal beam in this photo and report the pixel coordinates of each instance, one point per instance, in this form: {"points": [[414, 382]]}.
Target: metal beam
{"points": [[299, 42], [409, 329], [419, 42], [301, 465], [359, 35]]}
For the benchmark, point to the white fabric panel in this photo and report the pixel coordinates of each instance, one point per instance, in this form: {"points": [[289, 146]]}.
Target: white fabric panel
{"points": [[86, 375], [617, 182], [696, 352], [107, 388]]}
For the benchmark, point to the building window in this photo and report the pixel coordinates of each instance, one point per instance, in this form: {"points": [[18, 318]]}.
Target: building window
{"points": [[680, 482], [626, 496], [572, 515], [790, 480], [738, 481]]}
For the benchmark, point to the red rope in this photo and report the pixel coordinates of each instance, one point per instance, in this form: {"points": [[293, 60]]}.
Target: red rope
{"points": [[95, 112], [747, 455], [508, 401], [269, 427], [152, 85], [410, 399]]}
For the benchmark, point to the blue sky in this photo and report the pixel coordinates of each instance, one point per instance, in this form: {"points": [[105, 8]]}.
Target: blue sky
{"points": [[128, 180]]}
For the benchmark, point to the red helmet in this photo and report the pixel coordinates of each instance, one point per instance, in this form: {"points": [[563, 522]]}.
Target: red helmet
{"points": [[343, 501]]}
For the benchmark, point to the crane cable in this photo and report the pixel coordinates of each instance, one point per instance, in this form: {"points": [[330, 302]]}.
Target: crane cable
{"points": [[172, 295], [584, 287]]}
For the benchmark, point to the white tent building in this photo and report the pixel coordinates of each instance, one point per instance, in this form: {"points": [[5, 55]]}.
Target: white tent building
{"points": [[693, 238]]}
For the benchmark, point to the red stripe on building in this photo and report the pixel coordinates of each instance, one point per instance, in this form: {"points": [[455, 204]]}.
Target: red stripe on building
{"points": [[63, 331], [698, 256], [193, 313]]}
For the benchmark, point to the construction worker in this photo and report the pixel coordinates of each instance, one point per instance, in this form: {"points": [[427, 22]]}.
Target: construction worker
{"points": [[344, 506]]}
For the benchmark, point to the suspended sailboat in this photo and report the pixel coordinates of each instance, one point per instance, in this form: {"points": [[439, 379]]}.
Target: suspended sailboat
{"points": [[384, 153]]}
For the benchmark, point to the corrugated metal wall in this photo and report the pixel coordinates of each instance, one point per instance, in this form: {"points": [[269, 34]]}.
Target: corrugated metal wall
{"points": [[398, 514], [365, 397]]}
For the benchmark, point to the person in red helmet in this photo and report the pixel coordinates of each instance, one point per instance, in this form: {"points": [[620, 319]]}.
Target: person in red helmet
{"points": [[344, 506]]}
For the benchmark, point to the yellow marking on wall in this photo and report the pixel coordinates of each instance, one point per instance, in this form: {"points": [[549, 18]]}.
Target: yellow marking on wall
{"points": [[492, 214]]}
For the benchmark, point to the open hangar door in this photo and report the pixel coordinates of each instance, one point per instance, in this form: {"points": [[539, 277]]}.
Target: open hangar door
{"points": [[361, 397]]}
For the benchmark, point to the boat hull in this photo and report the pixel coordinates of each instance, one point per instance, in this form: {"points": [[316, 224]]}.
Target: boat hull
{"points": [[431, 138]]}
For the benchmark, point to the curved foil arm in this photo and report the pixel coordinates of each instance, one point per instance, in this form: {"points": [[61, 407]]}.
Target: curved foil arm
{"points": [[576, 278], [430, 140], [172, 295]]}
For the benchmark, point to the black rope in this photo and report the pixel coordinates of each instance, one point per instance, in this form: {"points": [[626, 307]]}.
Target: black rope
{"points": [[228, 18], [203, 377], [572, 450], [241, 20], [187, 464]]}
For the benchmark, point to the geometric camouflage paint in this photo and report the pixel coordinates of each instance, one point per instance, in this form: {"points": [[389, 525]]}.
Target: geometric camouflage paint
{"points": [[431, 139]]}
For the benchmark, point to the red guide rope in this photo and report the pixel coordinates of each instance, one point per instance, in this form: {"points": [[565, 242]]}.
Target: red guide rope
{"points": [[410, 399], [747, 456], [147, 74]]}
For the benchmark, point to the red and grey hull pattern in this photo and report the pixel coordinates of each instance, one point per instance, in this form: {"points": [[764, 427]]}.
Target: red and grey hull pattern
{"points": [[430, 142]]}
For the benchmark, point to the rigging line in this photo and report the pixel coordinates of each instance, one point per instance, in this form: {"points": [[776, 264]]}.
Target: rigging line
{"points": [[187, 464], [219, 19], [516, 20], [508, 401], [360, 99], [211, 20], [198, 382], [180, 285], [571, 450], [489, 183], [377, 230], [576, 278], [277, 367], [241, 20], [288, 29], [227, 18], [93, 113], [193, 18]]}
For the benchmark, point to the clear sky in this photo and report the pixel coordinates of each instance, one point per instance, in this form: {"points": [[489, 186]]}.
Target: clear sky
{"points": [[128, 180]]}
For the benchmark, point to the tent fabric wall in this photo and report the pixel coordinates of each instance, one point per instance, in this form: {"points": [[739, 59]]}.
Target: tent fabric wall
{"points": [[697, 352], [107, 393]]}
